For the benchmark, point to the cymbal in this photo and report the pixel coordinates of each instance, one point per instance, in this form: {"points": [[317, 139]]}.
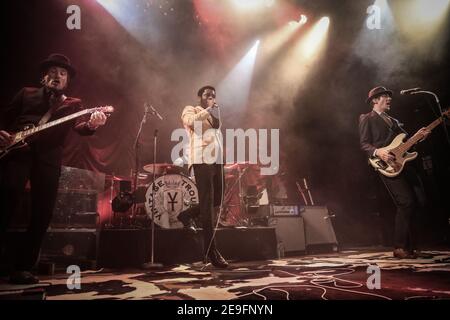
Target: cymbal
{"points": [[240, 165], [163, 168], [117, 177]]}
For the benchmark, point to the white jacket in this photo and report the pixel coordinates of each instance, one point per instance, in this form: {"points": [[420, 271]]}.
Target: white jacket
{"points": [[205, 142]]}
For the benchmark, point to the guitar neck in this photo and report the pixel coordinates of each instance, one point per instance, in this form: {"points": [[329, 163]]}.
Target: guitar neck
{"points": [[416, 138], [55, 122]]}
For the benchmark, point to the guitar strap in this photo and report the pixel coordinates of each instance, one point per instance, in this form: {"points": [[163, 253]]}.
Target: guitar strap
{"points": [[46, 116], [50, 111]]}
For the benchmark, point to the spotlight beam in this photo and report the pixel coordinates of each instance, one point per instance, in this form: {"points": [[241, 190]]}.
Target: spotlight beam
{"points": [[234, 89]]}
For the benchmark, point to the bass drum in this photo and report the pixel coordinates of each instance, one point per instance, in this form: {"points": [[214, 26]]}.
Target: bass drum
{"points": [[173, 194]]}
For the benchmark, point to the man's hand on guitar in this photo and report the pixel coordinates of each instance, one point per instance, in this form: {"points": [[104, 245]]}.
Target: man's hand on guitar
{"points": [[97, 119], [5, 138], [385, 155], [424, 132]]}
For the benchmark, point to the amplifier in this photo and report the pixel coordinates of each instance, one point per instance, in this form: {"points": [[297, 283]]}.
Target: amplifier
{"points": [[78, 195], [290, 232], [319, 230], [61, 246], [70, 246], [285, 210]]}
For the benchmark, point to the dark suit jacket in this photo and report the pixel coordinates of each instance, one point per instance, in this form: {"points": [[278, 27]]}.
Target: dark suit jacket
{"points": [[375, 133], [28, 107]]}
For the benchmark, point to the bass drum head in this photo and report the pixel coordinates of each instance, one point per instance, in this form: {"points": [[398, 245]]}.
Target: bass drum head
{"points": [[173, 194]]}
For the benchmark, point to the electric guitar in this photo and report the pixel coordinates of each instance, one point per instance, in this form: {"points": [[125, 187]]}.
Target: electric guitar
{"points": [[399, 149], [18, 140]]}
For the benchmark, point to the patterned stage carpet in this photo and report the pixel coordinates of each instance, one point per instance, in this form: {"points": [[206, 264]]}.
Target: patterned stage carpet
{"points": [[331, 277]]}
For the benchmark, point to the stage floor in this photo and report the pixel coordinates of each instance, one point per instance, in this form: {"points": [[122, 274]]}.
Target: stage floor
{"points": [[334, 276]]}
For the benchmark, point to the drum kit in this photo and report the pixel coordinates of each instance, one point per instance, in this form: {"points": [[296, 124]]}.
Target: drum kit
{"points": [[174, 191], [245, 191]]}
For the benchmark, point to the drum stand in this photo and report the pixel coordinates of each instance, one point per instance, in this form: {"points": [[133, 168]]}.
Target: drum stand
{"points": [[229, 195], [152, 264]]}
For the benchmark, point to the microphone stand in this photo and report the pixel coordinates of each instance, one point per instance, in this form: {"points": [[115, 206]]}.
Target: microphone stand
{"points": [[152, 264], [136, 156], [444, 125]]}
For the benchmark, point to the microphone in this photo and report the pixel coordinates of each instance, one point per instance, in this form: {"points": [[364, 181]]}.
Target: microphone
{"points": [[409, 91], [211, 108], [156, 113]]}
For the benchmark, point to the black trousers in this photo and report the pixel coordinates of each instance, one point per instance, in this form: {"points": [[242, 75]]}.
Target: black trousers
{"points": [[15, 170], [209, 179], [406, 191]]}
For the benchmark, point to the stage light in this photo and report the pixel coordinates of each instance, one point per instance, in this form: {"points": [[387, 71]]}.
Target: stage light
{"points": [[303, 19], [315, 38], [246, 5], [275, 43], [301, 59]]}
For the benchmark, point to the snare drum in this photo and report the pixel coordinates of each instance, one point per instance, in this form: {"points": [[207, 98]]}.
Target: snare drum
{"points": [[173, 194]]}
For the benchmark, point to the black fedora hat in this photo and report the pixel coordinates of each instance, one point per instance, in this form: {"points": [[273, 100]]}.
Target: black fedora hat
{"points": [[58, 60], [376, 92]]}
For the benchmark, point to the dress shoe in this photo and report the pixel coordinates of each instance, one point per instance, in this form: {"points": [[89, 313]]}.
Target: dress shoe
{"points": [[22, 277], [217, 260], [186, 219], [189, 225], [400, 253]]}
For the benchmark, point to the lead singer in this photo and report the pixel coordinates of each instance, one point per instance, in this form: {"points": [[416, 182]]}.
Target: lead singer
{"points": [[205, 157]]}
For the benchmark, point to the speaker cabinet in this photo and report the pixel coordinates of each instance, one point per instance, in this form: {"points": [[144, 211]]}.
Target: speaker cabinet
{"points": [[290, 233], [318, 227], [70, 244]]}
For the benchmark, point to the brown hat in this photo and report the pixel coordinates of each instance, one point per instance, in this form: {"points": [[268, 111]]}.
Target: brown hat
{"points": [[376, 92], [58, 60]]}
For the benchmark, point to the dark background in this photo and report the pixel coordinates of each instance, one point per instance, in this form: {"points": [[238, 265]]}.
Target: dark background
{"points": [[318, 130]]}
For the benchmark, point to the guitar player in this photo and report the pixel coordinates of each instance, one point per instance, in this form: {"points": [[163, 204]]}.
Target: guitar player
{"points": [[40, 162], [377, 129]]}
